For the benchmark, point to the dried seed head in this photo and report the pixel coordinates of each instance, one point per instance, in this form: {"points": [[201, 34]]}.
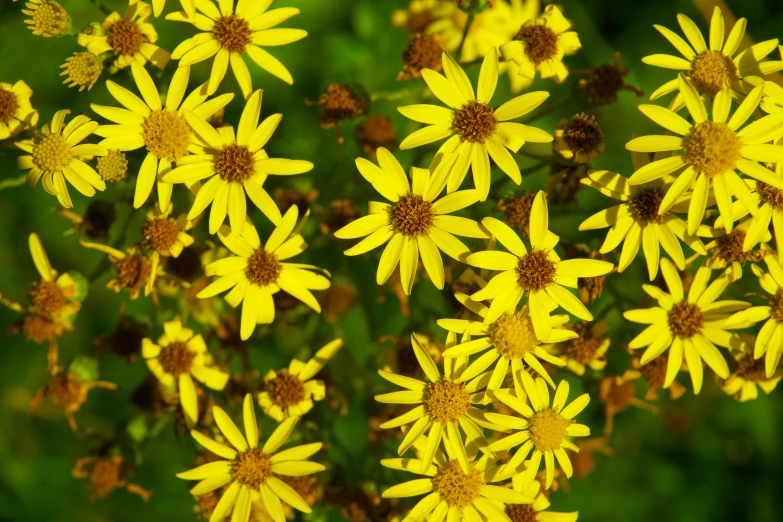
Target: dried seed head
{"points": [[47, 297], [374, 132], [456, 487], [712, 148], [340, 101], [251, 468], [548, 429], [8, 105], [770, 194], [233, 33], [411, 215], [711, 71], [517, 210], [540, 41], [424, 52], [186, 266], [39, 328], [685, 320], [67, 391], [536, 271], [176, 358], [113, 166], [582, 137], [106, 476], [285, 389], [159, 235], [604, 82], [235, 163], [644, 205], [446, 401], [521, 513], [582, 349], [82, 70], [474, 122], [51, 152], [125, 37], [512, 335], [166, 134], [654, 372], [263, 268], [133, 271], [49, 18], [729, 248]]}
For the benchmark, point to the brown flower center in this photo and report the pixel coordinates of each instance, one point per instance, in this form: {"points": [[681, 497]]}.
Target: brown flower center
{"points": [[753, 370], [521, 513], [51, 152], [176, 358], [536, 271], [711, 71], [604, 82], [166, 134], [712, 148], [235, 163], [446, 401], [512, 335], [729, 247], [582, 134], [39, 328], [8, 105], [685, 319], [285, 389], [548, 429], [113, 166], [424, 52], [251, 468], [776, 304], [341, 102], [583, 348], [49, 19], [456, 487], [263, 268], [125, 37], [233, 33], [644, 205], [769, 194], [517, 210], [132, 271], [106, 476], [159, 235], [412, 215], [47, 297], [474, 122], [67, 391], [654, 372], [539, 40]]}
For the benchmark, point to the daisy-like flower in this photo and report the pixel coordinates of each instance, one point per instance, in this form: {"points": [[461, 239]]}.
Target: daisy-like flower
{"points": [[689, 326], [637, 220], [749, 374], [249, 471], [130, 37], [229, 32], [292, 392], [16, 112], [55, 155], [476, 131], [189, 6], [537, 511], [47, 18], [235, 165], [544, 429], [769, 201], [769, 340], [161, 129], [711, 151], [254, 273], [727, 250], [588, 350], [455, 490], [81, 70], [538, 272], [414, 223], [178, 358], [541, 44], [54, 294], [134, 269], [714, 68], [443, 405], [165, 236]]}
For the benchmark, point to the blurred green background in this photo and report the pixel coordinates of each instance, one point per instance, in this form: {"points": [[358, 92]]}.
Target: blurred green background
{"points": [[700, 459]]}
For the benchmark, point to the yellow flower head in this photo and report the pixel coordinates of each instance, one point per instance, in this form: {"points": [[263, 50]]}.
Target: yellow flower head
{"points": [[53, 295], [540, 45], [16, 113], [292, 392], [189, 6], [476, 131], [165, 236], [711, 151], [588, 350], [161, 129], [727, 250], [47, 18], [249, 471], [689, 326], [414, 223], [254, 273], [235, 165], [538, 272], [769, 201], [177, 358], [231, 31], [55, 154], [537, 511], [82, 70], [543, 429], [749, 374]]}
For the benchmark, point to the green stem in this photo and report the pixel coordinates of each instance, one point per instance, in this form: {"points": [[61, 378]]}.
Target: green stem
{"points": [[12, 182], [105, 10]]}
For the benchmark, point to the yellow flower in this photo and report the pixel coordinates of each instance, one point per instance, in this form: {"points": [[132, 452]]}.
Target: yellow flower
{"points": [[541, 44], [636, 221], [477, 131], [292, 392], [769, 201], [53, 295], [537, 511], [130, 37], [456, 485], [414, 223], [712, 149], [47, 18], [82, 70], [588, 350], [538, 272], [256, 272], [716, 68], [727, 250], [161, 129], [235, 165], [230, 32], [443, 405], [691, 326], [189, 6], [134, 270], [749, 374], [177, 358], [165, 236], [16, 112], [55, 154], [249, 470], [543, 429]]}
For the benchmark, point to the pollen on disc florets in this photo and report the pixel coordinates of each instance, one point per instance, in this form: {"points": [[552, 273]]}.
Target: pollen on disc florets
{"points": [[770, 194], [535, 271], [233, 33], [548, 429], [776, 304], [512, 335], [51, 152], [251, 468], [176, 358], [82, 70], [521, 513], [424, 52], [263, 268], [474, 122], [446, 401], [711, 71], [730, 248], [285, 389], [113, 167], [235, 163], [166, 134], [159, 234], [456, 487], [712, 148], [540, 41], [47, 297], [685, 320], [517, 210], [411, 215], [646, 203], [8, 105], [125, 37], [49, 18]]}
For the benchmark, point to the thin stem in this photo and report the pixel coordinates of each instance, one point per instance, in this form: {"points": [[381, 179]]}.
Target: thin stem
{"points": [[13, 182], [465, 34], [105, 10]]}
